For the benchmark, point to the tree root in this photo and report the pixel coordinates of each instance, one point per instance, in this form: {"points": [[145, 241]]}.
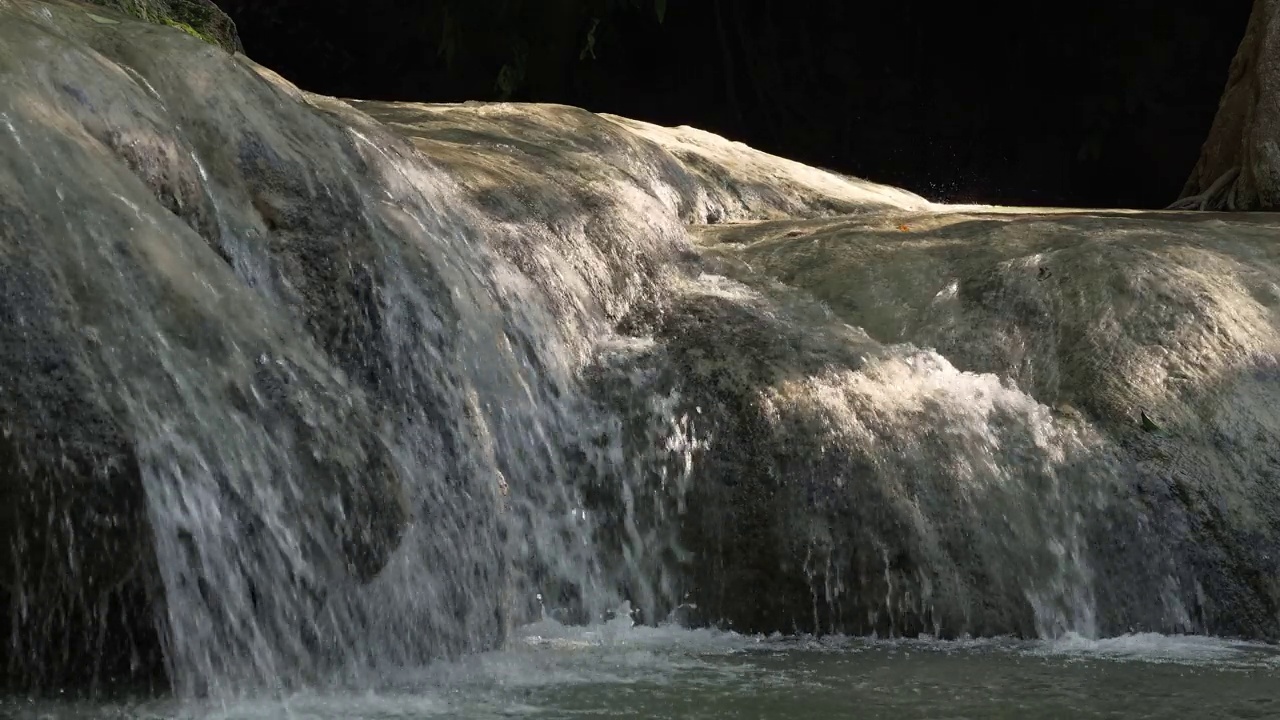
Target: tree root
{"points": [[1222, 193]]}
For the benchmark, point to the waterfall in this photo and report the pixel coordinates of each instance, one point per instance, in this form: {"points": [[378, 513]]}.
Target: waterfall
{"points": [[330, 389], [473, 396]]}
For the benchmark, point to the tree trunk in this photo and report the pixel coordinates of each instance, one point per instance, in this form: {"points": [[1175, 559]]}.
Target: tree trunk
{"points": [[1239, 166]]}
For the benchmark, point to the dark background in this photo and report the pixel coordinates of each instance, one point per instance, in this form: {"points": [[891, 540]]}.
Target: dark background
{"points": [[1083, 103]]}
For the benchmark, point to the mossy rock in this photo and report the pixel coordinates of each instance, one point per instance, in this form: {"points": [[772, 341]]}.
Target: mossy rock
{"points": [[198, 18]]}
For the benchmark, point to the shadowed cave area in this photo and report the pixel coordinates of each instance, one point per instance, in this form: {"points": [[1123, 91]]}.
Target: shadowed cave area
{"points": [[1074, 104]]}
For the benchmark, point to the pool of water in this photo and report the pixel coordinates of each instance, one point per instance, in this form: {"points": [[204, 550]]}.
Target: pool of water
{"points": [[617, 671]]}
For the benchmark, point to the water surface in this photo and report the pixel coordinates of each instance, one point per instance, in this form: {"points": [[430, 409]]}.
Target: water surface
{"points": [[616, 671]]}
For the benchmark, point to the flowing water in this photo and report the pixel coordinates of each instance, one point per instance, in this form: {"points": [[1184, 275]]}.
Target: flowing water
{"points": [[614, 670]]}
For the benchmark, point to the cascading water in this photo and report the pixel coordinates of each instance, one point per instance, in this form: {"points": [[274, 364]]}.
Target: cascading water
{"points": [[485, 426], [913, 497], [489, 440], [392, 484]]}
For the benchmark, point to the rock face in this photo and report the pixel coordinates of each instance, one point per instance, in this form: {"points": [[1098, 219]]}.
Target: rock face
{"points": [[199, 18], [293, 385], [1239, 166]]}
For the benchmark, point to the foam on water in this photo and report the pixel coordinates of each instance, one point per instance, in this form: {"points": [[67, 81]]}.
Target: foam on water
{"points": [[1157, 648]]}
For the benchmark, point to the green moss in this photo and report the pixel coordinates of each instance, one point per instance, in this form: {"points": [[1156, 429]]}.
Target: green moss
{"points": [[198, 18], [188, 30]]}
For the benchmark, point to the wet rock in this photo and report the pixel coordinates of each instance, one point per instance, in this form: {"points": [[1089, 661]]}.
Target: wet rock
{"points": [[1144, 316], [199, 18]]}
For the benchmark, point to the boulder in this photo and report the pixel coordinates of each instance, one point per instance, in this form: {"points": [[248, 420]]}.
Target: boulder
{"points": [[199, 18]]}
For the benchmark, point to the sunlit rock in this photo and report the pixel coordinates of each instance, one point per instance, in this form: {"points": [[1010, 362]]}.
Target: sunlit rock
{"points": [[1148, 345]]}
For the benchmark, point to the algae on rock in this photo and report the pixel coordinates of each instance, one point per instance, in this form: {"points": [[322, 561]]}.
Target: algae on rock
{"points": [[198, 18]]}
